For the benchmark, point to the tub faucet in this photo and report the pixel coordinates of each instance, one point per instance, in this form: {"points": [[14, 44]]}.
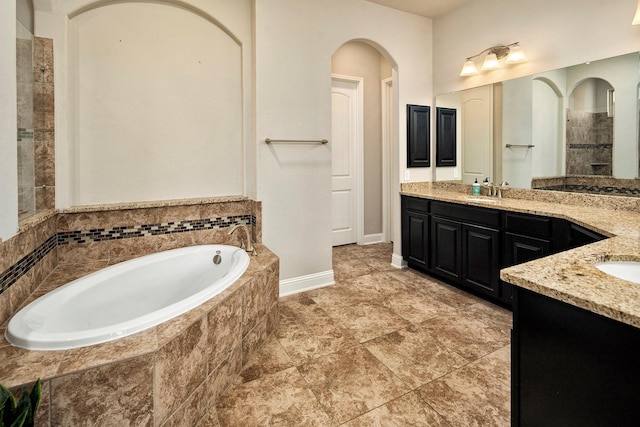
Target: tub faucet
{"points": [[249, 248]]}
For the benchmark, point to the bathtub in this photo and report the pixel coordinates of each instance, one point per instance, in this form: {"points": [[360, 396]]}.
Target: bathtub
{"points": [[126, 298]]}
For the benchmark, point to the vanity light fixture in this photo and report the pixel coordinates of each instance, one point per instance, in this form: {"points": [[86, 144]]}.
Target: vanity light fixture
{"points": [[492, 60], [636, 18]]}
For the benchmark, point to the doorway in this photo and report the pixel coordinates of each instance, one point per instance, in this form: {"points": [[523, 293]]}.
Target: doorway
{"points": [[362, 169], [346, 159]]}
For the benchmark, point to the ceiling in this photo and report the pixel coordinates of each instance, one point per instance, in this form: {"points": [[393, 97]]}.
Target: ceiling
{"points": [[428, 8]]}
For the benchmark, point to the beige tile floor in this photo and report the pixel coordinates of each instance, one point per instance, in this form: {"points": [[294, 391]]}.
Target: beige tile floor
{"points": [[382, 347]]}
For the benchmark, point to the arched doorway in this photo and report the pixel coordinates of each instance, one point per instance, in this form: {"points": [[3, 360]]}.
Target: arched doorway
{"points": [[362, 117]]}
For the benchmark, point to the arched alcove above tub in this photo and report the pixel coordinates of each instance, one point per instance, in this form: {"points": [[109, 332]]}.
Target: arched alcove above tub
{"points": [[155, 105]]}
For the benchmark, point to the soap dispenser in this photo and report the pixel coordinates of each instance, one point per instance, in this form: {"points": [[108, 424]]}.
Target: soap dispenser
{"points": [[475, 188]]}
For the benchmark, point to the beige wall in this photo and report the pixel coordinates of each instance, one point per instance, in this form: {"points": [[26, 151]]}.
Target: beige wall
{"points": [[359, 59], [157, 114], [554, 34], [294, 43]]}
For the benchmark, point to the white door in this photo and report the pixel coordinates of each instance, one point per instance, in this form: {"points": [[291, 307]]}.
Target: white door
{"points": [[344, 136], [477, 134]]}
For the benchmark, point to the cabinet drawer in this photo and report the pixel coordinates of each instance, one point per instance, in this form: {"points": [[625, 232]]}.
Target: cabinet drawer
{"points": [[416, 204], [529, 225], [468, 214]]}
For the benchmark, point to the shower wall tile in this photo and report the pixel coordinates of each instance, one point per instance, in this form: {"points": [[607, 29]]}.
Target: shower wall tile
{"points": [[47, 59], [115, 394], [24, 103], [180, 369], [24, 60]]}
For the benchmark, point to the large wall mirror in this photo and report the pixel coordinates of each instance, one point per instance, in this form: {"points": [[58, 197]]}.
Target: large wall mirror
{"points": [[572, 129]]}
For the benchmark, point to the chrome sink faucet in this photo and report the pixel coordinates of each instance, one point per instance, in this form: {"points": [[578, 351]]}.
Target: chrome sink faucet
{"points": [[492, 188], [502, 187], [249, 248]]}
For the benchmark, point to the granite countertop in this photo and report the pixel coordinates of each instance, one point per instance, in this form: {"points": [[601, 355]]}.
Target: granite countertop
{"points": [[568, 276]]}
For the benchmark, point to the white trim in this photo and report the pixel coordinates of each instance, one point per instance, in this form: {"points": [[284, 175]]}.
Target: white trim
{"points": [[306, 283], [387, 128], [397, 261], [359, 150], [370, 239]]}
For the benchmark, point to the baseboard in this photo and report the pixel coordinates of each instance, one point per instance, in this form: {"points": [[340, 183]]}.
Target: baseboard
{"points": [[397, 261], [306, 283], [370, 239]]}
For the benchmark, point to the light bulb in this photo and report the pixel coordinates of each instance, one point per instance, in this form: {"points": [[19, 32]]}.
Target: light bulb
{"points": [[516, 54], [469, 68], [490, 62]]}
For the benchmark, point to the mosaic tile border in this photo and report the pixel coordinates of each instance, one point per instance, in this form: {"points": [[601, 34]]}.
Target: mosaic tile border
{"points": [[618, 191], [592, 146], [24, 134], [22, 267], [145, 230]]}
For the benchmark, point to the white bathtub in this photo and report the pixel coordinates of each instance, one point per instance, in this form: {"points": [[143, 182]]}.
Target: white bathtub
{"points": [[126, 298]]}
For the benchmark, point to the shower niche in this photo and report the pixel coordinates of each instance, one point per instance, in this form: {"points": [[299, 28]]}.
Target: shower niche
{"points": [[590, 116]]}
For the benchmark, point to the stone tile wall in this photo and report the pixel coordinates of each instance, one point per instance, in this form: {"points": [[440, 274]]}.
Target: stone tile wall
{"points": [[589, 143]]}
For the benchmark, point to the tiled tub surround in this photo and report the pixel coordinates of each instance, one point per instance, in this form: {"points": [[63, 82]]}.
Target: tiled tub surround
{"points": [[569, 276], [114, 233], [167, 375]]}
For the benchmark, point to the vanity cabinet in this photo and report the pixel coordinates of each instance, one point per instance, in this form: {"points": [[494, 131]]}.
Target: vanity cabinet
{"points": [[446, 242], [481, 259], [415, 231], [571, 367], [465, 246], [468, 245]]}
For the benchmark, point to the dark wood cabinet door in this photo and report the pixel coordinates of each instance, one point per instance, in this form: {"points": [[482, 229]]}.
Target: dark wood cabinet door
{"points": [[446, 246], [445, 137], [481, 259], [418, 136], [519, 249], [571, 367], [415, 239]]}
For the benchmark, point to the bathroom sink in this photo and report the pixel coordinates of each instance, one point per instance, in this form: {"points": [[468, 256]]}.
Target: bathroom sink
{"points": [[480, 199], [626, 270]]}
